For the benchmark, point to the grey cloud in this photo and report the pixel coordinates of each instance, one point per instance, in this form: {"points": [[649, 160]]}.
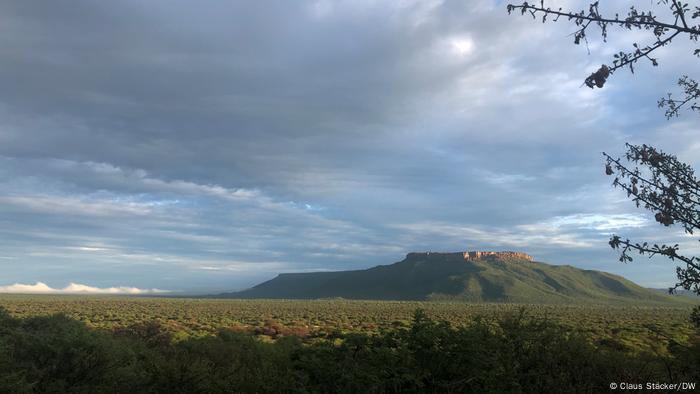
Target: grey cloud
{"points": [[168, 136]]}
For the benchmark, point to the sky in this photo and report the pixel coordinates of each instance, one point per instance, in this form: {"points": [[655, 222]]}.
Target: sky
{"points": [[178, 146]]}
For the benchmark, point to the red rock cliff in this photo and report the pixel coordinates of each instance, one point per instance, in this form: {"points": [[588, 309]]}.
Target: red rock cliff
{"points": [[477, 255], [472, 255]]}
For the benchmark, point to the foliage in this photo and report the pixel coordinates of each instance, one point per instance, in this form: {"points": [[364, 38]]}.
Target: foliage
{"points": [[668, 188], [514, 353], [691, 90], [161, 320], [662, 32]]}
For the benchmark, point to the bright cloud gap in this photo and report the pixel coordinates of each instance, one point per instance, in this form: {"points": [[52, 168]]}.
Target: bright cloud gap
{"points": [[75, 288]]}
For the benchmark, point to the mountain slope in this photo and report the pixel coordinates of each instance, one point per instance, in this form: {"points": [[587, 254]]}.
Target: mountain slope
{"points": [[497, 277]]}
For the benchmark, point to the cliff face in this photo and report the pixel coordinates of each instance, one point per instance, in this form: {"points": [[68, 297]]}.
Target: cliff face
{"points": [[473, 255], [477, 255]]}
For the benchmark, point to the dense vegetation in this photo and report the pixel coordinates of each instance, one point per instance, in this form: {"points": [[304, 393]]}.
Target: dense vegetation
{"points": [[638, 328], [447, 276], [513, 353]]}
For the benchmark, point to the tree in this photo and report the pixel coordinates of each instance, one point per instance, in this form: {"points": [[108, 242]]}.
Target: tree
{"points": [[665, 185], [668, 188], [662, 33]]}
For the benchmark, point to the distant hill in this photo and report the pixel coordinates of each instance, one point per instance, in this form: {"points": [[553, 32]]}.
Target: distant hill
{"points": [[463, 276]]}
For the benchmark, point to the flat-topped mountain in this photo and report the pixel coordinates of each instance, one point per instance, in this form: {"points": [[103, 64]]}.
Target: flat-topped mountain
{"points": [[473, 255], [473, 276]]}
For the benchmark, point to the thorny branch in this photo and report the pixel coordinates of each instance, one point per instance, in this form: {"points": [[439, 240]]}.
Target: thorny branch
{"points": [[668, 188], [663, 33]]}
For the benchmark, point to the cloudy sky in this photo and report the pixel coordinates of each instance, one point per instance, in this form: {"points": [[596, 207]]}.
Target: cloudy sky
{"points": [[209, 145]]}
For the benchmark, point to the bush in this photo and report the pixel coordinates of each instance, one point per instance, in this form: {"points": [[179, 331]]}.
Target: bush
{"points": [[513, 354]]}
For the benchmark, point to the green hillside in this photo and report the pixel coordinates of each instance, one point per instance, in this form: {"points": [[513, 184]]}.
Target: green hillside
{"points": [[451, 277]]}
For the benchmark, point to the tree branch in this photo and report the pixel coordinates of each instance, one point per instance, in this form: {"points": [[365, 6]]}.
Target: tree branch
{"points": [[644, 20]]}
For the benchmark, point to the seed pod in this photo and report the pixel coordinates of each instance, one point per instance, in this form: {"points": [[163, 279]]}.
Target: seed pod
{"points": [[608, 169]]}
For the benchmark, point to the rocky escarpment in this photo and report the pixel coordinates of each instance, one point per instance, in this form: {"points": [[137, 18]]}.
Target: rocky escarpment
{"points": [[479, 255], [473, 255]]}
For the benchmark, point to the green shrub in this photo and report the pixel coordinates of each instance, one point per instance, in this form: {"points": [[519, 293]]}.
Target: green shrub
{"points": [[513, 354]]}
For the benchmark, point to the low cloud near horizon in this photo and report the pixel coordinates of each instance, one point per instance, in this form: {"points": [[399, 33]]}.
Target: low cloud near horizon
{"points": [[75, 288]]}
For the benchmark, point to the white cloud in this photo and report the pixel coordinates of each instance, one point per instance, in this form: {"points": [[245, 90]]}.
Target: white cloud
{"points": [[524, 236], [75, 288], [462, 46], [321, 9], [140, 179], [570, 231], [600, 222], [52, 204], [501, 179]]}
